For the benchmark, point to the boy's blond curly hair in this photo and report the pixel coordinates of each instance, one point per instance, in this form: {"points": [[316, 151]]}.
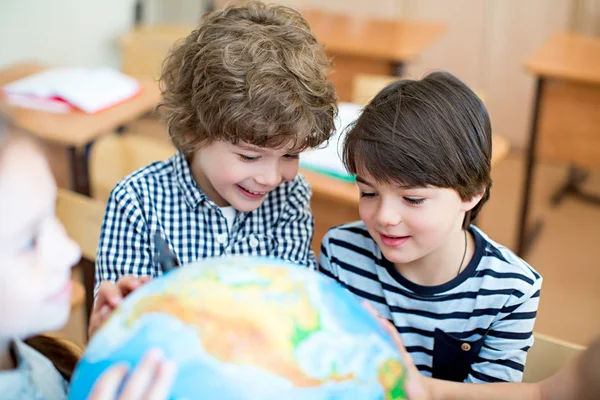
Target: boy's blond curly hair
{"points": [[250, 73]]}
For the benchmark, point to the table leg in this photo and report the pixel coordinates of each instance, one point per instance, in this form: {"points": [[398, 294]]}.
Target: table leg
{"points": [[399, 68], [572, 187], [78, 164], [87, 272], [79, 170], [527, 234]]}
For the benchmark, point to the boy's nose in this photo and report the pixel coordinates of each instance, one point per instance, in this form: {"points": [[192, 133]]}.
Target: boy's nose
{"points": [[388, 216], [270, 177]]}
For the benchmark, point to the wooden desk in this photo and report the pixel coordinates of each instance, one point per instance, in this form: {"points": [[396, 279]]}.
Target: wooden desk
{"points": [[368, 45], [356, 44], [335, 202], [77, 130], [565, 124]]}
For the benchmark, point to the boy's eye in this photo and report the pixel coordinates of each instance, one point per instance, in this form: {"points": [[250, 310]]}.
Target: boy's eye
{"points": [[292, 156], [367, 194], [248, 158], [414, 200]]}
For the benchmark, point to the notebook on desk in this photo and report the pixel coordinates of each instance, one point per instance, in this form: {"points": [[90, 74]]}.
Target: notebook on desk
{"points": [[328, 160], [61, 90]]}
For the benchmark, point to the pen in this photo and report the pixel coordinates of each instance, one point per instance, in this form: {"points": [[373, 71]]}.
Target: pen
{"points": [[165, 258]]}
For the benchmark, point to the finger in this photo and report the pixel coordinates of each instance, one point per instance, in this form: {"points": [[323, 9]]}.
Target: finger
{"points": [[128, 284], [145, 279], [163, 382], [98, 318], [370, 309], [143, 375], [107, 385], [393, 332], [108, 293]]}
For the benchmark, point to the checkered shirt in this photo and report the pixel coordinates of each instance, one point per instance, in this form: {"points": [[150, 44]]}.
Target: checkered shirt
{"points": [[163, 197]]}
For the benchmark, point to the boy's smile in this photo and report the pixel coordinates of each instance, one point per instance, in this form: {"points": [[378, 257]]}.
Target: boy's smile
{"points": [[393, 241]]}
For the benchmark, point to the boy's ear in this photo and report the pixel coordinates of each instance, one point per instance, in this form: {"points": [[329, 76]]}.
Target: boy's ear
{"points": [[468, 205]]}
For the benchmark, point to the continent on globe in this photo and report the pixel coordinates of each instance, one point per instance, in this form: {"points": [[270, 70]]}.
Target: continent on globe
{"points": [[250, 328]]}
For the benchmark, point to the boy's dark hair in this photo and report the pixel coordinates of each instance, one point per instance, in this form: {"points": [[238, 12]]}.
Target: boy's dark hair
{"points": [[433, 131], [253, 73]]}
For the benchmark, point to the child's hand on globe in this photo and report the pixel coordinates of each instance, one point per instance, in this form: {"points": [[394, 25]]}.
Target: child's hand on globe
{"points": [[110, 296], [416, 384], [151, 380]]}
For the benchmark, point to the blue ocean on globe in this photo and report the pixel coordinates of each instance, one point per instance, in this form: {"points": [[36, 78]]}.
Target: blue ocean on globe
{"points": [[250, 328]]}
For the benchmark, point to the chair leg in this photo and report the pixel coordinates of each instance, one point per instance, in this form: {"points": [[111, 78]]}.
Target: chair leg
{"points": [[572, 187], [87, 269]]}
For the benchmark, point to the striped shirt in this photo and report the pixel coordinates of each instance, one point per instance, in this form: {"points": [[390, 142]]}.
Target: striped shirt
{"points": [[164, 197], [474, 328]]}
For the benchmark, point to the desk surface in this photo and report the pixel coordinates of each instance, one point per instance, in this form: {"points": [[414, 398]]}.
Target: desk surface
{"points": [[339, 191], [390, 40], [568, 56], [77, 128], [395, 40]]}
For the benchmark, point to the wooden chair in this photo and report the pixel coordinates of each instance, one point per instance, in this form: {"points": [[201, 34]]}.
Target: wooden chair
{"points": [[82, 218], [115, 156], [547, 356]]}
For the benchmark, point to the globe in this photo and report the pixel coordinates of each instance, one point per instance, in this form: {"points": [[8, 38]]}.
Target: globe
{"points": [[250, 328]]}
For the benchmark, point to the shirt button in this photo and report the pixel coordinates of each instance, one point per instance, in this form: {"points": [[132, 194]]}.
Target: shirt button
{"points": [[253, 242], [465, 347], [222, 238]]}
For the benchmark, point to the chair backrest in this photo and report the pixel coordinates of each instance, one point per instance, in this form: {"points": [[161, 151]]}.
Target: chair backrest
{"points": [[114, 156], [366, 86], [547, 356], [144, 49], [82, 218]]}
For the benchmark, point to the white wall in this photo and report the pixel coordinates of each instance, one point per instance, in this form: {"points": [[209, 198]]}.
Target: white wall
{"points": [[63, 32]]}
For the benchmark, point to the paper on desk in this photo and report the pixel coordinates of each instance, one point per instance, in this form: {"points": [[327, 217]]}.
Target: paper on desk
{"points": [[328, 160], [90, 90]]}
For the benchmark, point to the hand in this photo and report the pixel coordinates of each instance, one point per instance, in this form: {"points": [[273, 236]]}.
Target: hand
{"points": [[110, 296], [151, 380], [416, 384]]}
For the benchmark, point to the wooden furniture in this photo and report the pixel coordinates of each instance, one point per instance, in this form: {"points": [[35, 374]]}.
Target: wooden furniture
{"points": [[77, 294], [82, 218], [115, 156], [565, 125], [369, 45], [547, 356], [77, 130], [356, 44]]}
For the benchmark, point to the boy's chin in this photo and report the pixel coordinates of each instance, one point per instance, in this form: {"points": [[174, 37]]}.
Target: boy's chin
{"points": [[396, 256]]}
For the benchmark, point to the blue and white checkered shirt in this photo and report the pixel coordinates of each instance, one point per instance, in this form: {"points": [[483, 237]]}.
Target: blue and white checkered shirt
{"points": [[163, 197]]}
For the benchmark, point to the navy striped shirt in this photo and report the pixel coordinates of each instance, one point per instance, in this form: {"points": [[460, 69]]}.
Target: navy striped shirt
{"points": [[474, 328], [163, 197]]}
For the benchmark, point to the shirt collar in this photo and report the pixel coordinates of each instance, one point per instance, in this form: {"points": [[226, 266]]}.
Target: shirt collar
{"points": [[194, 196]]}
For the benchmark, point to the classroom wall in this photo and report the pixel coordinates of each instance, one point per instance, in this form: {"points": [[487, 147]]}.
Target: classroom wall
{"points": [[63, 32]]}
